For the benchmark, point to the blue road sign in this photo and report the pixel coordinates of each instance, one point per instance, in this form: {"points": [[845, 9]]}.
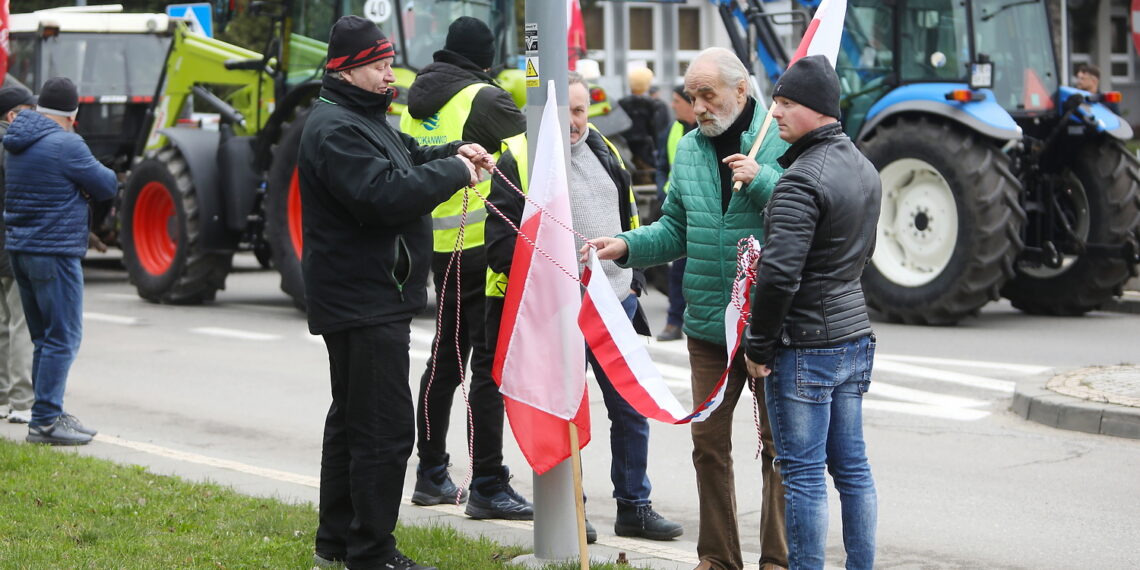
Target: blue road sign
{"points": [[199, 15]]}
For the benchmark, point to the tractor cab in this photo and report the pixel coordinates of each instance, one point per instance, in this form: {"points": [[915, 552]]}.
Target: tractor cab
{"points": [[114, 59]]}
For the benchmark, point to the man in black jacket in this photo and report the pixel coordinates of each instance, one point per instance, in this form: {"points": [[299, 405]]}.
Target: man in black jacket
{"points": [[366, 192], [809, 334], [454, 98]]}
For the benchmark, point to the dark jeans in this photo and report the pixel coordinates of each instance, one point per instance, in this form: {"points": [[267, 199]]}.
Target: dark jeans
{"points": [[367, 442], [676, 314], [51, 292], [629, 435], [434, 406]]}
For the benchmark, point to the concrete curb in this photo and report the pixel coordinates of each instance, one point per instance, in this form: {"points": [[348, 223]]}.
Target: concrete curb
{"points": [[1037, 403]]}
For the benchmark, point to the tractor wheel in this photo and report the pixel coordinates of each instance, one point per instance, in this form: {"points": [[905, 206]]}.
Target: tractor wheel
{"points": [[1100, 200], [283, 209], [950, 224], [161, 235]]}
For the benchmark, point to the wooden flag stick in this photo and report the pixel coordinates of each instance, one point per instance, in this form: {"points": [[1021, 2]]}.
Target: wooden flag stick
{"points": [[579, 504], [756, 146]]}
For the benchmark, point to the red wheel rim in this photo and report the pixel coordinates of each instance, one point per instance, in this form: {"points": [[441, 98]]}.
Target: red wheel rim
{"points": [[151, 225], [293, 213]]}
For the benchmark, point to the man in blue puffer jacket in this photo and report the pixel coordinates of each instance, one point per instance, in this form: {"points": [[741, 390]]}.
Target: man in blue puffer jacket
{"points": [[51, 177]]}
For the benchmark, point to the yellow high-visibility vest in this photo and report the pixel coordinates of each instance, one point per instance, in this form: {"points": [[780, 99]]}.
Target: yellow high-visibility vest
{"points": [[497, 282], [445, 126], [675, 133]]}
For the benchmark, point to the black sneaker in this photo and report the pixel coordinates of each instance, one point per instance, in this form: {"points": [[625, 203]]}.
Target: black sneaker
{"points": [[58, 433], [591, 533], [401, 562], [77, 425], [644, 522], [434, 486], [493, 498]]}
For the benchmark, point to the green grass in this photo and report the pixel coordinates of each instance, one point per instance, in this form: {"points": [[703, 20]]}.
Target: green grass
{"points": [[62, 510]]}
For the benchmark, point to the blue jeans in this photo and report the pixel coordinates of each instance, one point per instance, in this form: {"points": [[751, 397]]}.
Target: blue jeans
{"points": [[51, 291], [815, 402], [629, 435]]}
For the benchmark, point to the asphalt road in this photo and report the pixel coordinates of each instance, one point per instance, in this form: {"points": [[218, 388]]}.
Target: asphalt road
{"points": [[962, 482]]}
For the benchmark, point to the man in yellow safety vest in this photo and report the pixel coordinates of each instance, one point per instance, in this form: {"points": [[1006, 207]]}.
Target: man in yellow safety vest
{"points": [[454, 98], [686, 121]]}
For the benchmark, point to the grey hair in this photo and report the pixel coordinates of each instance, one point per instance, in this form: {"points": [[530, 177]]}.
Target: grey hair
{"points": [[729, 67], [573, 77]]}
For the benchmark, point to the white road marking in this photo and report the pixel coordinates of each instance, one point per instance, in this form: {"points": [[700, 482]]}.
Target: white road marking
{"points": [[959, 414], [113, 319], [235, 333], [1006, 366], [894, 392], [168, 453], [1003, 386]]}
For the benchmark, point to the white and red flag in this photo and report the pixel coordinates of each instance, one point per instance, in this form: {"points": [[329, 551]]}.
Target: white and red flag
{"points": [[623, 355], [824, 33], [5, 49], [540, 360]]}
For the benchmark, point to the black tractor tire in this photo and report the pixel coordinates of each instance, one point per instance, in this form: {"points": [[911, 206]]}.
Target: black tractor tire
{"points": [[283, 209], [1108, 176], [161, 234], [953, 173]]}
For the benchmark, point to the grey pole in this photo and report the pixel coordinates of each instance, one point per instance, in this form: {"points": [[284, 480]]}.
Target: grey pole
{"points": [[555, 519]]}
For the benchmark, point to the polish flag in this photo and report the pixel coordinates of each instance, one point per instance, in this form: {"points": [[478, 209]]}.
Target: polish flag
{"points": [[540, 360], [824, 33], [623, 354], [4, 46]]}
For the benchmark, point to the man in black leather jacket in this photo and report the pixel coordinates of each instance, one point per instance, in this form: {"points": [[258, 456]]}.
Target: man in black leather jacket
{"points": [[809, 335]]}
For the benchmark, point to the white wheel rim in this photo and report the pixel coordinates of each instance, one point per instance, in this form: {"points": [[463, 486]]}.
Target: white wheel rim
{"points": [[918, 224], [1078, 200]]}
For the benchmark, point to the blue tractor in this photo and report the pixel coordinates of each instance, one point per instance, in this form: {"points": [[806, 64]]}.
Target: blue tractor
{"points": [[997, 180]]}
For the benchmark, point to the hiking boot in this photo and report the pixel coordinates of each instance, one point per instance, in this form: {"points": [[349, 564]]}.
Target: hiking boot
{"points": [[493, 498], [20, 416], [434, 486], [401, 562], [58, 433], [670, 332], [591, 533], [77, 425], [642, 521]]}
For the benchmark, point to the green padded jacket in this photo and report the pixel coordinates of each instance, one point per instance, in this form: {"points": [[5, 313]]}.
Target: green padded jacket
{"points": [[693, 225]]}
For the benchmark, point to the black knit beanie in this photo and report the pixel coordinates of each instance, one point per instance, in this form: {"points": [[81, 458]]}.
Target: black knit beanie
{"points": [[811, 82], [472, 39], [11, 97], [355, 41], [58, 96], [680, 90]]}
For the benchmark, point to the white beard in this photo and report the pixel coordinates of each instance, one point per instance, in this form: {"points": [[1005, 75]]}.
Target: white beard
{"points": [[719, 124]]}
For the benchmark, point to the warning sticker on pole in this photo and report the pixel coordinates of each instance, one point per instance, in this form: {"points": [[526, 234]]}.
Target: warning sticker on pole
{"points": [[532, 72], [530, 37]]}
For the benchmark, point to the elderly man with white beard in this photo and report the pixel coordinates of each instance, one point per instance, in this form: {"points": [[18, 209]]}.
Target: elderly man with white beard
{"points": [[703, 218]]}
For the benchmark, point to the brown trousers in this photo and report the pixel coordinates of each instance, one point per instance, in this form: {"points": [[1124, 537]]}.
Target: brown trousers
{"points": [[718, 541]]}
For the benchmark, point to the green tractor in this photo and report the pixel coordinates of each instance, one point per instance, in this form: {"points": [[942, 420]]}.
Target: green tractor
{"points": [[195, 197]]}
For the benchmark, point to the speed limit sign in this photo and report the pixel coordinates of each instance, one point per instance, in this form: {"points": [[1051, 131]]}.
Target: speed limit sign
{"points": [[378, 10]]}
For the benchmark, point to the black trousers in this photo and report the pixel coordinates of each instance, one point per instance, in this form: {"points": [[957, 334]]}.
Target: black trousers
{"points": [[367, 442], [433, 407]]}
